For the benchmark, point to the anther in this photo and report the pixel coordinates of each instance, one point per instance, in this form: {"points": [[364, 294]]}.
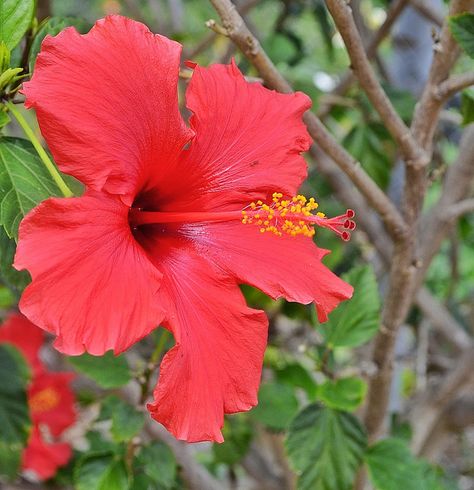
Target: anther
{"points": [[294, 217]]}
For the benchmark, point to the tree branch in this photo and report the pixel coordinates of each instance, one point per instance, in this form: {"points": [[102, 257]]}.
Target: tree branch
{"points": [[327, 101], [452, 85], [406, 268], [427, 11], [341, 13]]}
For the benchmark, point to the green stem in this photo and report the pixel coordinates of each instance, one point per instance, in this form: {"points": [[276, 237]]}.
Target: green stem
{"points": [[63, 187], [160, 346]]}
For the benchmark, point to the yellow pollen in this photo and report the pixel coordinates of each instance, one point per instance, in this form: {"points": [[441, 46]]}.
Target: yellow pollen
{"points": [[44, 400], [289, 216]]}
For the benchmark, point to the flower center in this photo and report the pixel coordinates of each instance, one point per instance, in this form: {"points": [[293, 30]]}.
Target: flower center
{"points": [[292, 216], [44, 400]]}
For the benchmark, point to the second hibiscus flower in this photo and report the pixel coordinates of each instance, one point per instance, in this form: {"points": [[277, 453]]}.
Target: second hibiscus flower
{"points": [[173, 218]]}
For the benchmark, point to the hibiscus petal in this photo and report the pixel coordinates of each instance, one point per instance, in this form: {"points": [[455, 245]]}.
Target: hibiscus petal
{"points": [[215, 366], [42, 458], [284, 266], [248, 140], [93, 285], [28, 338], [107, 102], [51, 401]]}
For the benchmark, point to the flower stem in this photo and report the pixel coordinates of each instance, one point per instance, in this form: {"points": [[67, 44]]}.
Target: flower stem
{"points": [[156, 355], [53, 171]]}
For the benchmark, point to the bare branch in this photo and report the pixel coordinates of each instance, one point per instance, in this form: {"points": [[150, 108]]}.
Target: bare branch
{"points": [[442, 320], [427, 413], [460, 208], [326, 102], [423, 7], [341, 13], [454, 84]]}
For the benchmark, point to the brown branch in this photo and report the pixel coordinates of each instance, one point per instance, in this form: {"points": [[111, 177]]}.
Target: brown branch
{"points": [[405, 264], [426, 414], [454, 84], [460, 208], [438, 222], [442, 320], [426, 10], [342, 15], [250, 47], [327, 101]]}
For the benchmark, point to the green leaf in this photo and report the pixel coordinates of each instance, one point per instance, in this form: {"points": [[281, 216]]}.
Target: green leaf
{"points": [[277, 405], [157, 462], [24, 182], [15, 280], [462, 28], [325, 447], [391, 467], [7, 299], [295, 374], [14, 415], [15, 18], [108, 371], [355, 321], [101, 471], [126, 420], [237, 434], [467, 108], [52, 27], [343, 394]]}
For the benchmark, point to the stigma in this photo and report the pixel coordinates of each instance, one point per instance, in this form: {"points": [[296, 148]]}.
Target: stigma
{"points": [[295, 216]]}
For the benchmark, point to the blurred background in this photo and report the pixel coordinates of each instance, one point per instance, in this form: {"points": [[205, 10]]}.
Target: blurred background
{"points": [[308, 368]]}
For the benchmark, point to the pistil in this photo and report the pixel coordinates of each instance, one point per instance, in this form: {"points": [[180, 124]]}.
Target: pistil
{"points": [[293, 216]]}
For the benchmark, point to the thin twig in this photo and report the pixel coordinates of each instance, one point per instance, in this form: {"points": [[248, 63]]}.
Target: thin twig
{"points": [[454, 84], [342, 15], [426, 10], [396, 8]]}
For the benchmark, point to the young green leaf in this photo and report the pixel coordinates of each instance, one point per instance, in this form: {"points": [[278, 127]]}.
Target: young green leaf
{"points": [[356, 321], [15, 18], [157, 463], [24, 182], [462, 28], [237, 434], [14, 415], [325, 447], [391, 467], [127, 422], [101, 471], [108, 371], [15, 280], [277, 405], [343, 394], [467, 108]]}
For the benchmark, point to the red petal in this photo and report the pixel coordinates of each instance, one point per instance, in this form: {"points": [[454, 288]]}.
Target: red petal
{"points": [[107, 102], [52, 401], [216, 364], [28, 338], [93, 285], [280, 266], [43, 458], [248, 140]]}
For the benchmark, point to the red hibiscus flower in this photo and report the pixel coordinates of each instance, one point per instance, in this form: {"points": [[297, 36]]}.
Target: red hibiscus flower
{"points": [[50, 401], [26, 337], [43, 459], [158, 237]]}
